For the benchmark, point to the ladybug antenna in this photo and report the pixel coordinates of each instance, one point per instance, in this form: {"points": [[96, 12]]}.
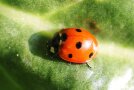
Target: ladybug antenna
{"points": [[88, 65]]}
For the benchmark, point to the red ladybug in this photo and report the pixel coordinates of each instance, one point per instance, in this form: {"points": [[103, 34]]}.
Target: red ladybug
{"points": [[74, 45]]}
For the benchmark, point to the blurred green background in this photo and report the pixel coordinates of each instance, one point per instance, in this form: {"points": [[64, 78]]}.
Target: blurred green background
{"points": [[27, 26]]}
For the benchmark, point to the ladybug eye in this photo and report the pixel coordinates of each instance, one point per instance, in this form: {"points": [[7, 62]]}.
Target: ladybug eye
{"points": [[78, 30], [70, 55], [78, 45], [64, 36], [90, 55]]}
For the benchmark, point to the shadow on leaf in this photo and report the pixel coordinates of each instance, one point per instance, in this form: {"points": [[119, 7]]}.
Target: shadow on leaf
{"points": [[39, 44]]}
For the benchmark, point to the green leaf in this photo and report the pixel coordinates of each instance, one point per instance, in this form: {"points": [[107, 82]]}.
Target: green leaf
{"points": [[27, 26]]}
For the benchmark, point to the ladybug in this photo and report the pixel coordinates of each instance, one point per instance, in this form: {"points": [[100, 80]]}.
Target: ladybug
{"points": [[75, 45]]}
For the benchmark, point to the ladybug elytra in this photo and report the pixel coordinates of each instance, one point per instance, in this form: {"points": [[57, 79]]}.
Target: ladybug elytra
{"points": [[74, 45]]}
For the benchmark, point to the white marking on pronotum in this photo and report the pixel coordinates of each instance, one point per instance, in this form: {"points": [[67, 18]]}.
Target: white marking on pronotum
{"points": [[52, 49], [60, 34], [60, 39], [60, 42]]}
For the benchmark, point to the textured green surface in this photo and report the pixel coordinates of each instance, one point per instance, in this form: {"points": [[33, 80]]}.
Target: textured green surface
{"points": [[26, 27]]}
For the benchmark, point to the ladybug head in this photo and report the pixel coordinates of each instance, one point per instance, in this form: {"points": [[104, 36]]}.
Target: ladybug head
{"points": [[56, 42]]}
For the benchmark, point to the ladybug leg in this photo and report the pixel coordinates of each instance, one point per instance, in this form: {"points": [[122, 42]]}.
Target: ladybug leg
{"points": [[88, 65]]}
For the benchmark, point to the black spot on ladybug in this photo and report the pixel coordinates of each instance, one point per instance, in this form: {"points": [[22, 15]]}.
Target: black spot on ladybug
{"points": [[63, 36], [78, 30], [78, 45], [70, 55], [90, 55]]}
